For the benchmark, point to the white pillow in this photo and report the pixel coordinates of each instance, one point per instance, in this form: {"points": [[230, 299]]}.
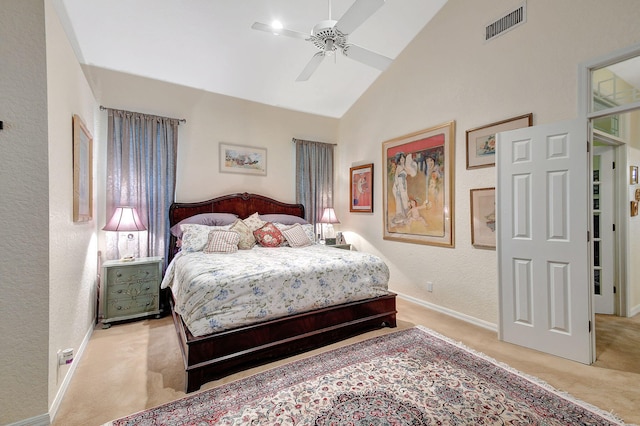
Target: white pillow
{"points": [[194, 237], [296, 237]]}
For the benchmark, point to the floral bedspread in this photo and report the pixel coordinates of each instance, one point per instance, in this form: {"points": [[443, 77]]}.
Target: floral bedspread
{"points": [[215, 292]]}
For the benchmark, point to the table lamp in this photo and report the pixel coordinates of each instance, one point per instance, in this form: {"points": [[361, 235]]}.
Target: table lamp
{"points": [[328, 217], [125, 219]]}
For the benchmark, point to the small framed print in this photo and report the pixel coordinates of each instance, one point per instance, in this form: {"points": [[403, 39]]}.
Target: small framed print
{"points": [[633, 172], [247, 160], [82, 171], [361, 189], [481, 141], [483, 218]]}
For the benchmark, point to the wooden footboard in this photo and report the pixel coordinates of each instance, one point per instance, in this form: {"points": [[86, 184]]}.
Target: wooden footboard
{"points": [[217, 355]]}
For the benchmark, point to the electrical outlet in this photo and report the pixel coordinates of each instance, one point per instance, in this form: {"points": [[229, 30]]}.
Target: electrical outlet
{"points": [[429, 286]]}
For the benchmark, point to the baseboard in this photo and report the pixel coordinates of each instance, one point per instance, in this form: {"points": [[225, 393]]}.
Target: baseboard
{"points": [[634, 311], [55, 405], [41, 420], [466, 318]]}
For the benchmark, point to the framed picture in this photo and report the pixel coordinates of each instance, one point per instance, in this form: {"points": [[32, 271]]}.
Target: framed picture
{"points": [[243, 159], [361, 189], [633, 172], [483, 218], [82, 171], [418, 187], [481, 141]]}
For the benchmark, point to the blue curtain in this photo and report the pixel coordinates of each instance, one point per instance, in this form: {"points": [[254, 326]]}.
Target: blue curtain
{"points": [[141, 172], [314, 177]]}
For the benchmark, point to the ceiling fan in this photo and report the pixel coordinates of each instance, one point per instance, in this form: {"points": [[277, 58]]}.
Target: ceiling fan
{"points": [[329, 36]]}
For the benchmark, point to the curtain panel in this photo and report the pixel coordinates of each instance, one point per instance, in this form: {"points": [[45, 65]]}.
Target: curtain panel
{"points": [[314, 177], [141, 172]]}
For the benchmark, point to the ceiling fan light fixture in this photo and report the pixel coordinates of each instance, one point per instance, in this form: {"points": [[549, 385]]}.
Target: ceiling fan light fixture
{"points": [[276, 26]]}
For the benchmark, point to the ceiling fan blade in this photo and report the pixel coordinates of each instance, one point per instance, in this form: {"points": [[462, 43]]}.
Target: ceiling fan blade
{"points": [[357, 14], [367, 57], [311, 67], [282, 31]]}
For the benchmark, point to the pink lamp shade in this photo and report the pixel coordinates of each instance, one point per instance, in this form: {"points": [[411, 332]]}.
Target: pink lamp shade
{"points": [[125, 219], [329, 216]]}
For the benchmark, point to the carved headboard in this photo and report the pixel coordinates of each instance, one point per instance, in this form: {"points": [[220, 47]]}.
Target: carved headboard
{"points": [[244, 205]]}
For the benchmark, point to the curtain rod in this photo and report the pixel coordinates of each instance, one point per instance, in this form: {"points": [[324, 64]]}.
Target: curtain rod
{"points": [[302, 140], [181, 120]]}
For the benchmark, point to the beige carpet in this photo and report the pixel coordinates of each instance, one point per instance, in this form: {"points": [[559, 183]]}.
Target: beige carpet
{"points": [[135, 366]]}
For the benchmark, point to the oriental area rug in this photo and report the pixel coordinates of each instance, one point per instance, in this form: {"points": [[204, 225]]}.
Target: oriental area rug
{"points": [[409, 377]]}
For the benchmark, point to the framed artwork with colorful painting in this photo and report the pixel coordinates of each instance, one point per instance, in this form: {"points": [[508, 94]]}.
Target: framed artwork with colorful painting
{"points": [[418, 187], [361, 189]]}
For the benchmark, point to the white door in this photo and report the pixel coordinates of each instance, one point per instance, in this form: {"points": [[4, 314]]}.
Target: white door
{"points": [[543, 248], [603, 235]]}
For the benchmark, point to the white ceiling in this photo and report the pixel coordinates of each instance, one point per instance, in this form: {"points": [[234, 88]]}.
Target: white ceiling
{"points": [[209, 45]]}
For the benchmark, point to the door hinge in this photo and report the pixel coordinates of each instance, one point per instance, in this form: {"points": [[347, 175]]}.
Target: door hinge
{"points": [[614, 227], [588, 147], [589, 326], [588, 236], [615, 290], [613, 165]]}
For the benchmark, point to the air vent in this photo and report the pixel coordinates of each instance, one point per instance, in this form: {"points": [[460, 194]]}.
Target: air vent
{"points": [[508, 22]]}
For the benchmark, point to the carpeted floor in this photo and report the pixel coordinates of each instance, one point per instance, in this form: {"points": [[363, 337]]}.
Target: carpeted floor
{"points": [[135, 366], [411, 377]]}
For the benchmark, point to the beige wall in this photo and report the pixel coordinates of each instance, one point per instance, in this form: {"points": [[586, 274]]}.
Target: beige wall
{"points": [[24, 205], [72, 246], [449, 73]]}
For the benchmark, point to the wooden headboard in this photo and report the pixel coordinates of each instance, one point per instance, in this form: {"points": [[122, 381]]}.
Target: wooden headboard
{"points": [[244, 205]]}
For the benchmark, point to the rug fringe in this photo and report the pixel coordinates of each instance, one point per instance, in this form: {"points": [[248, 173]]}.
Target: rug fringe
{"points": [[609, 415]]}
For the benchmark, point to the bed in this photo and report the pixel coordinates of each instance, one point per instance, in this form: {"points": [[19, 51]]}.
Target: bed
{"points": [[223, 351]]}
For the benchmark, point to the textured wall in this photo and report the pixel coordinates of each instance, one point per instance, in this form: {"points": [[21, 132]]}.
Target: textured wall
{"points": [[73, 246], [449, 73], [24, 205]]}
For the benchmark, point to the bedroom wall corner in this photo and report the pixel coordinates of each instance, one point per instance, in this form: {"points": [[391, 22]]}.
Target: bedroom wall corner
{"points": [[72, 246], [24, 265], [449, 73]]}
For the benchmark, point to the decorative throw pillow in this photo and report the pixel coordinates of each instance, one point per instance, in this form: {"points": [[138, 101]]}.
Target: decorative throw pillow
{"points": [[247, 240], [222, 242], [194, 237], [254, 222], [269, 236], [296, 237]]}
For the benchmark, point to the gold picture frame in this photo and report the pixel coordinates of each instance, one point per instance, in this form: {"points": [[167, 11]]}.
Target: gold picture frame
{"points": [[483, 218], [633, 173], [418, 187], [361, 189], [82, 171], [481, 140]]}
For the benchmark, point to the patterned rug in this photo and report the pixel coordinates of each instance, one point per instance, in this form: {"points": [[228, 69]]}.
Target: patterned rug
{"points": [[409, 377]]}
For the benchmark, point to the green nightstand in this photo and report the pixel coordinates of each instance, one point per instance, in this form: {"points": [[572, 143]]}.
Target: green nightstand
{"points": [[340, 246], [131, 289]]}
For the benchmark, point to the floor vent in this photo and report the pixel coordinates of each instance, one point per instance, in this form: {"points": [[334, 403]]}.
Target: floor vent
{"points": [[508, 22]]}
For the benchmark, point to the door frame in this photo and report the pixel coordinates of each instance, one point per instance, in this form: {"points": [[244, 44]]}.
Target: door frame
{"points": [[585, 95]]}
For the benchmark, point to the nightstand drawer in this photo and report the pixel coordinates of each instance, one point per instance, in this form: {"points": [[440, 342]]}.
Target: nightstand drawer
{"points": [[124, 306], [126, 275]]}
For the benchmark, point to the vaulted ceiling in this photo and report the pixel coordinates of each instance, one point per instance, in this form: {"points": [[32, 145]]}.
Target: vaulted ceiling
{"points": [[210, 45]]}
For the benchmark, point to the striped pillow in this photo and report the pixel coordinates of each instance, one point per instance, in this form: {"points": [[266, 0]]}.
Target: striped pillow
{"points": [[296, 236], [222, 242]]}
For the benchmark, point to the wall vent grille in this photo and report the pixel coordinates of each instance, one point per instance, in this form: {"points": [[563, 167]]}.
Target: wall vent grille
{"points": [[508, 22]]}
